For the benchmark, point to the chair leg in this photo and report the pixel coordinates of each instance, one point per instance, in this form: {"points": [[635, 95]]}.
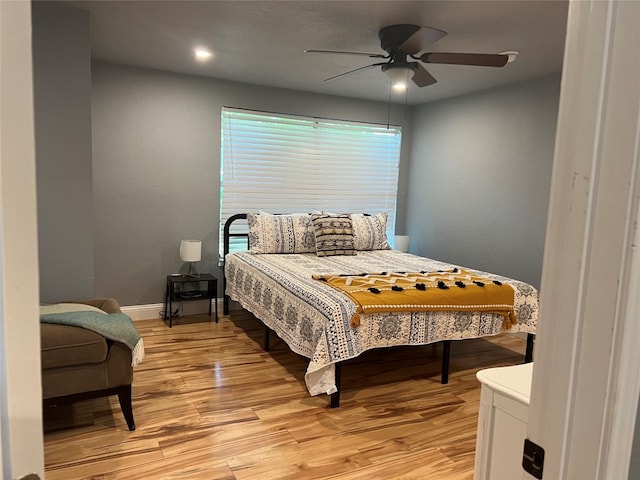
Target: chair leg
{"points": [[124, 397]]}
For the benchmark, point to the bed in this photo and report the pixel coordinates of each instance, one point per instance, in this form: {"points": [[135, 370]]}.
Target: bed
{"points": [[286, 287]]}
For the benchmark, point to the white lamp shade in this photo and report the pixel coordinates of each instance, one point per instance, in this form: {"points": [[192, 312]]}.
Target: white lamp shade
{"points": [[398, 75], [190, 250], [401, 242]]}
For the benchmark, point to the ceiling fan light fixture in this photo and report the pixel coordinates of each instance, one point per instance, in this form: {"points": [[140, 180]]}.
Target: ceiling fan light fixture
{"points": [[202, 54], [398, 75]]}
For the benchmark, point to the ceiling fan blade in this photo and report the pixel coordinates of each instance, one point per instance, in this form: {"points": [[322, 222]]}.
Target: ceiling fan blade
{"points": [[354, 71], [477, 59], [421, 40], [422, 78], [370, 55]]}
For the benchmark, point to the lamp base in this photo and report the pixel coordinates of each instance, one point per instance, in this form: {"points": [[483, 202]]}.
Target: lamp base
{"points": [[192, 272]]}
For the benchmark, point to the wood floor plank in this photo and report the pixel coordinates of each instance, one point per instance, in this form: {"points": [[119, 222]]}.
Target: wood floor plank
{"points": [[306, 460], [210, 404], [424, 465], [107, 464]]}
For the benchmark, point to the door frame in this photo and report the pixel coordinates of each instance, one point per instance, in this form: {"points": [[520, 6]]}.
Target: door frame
{"points": [[585, 384], [21, 435]]}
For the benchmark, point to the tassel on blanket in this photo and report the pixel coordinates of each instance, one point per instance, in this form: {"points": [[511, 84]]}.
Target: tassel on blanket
{"points": [[510, 320], [137, 354], [355, 320]]}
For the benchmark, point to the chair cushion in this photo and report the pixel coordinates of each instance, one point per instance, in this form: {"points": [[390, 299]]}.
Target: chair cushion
{"points": [[64, 345]]}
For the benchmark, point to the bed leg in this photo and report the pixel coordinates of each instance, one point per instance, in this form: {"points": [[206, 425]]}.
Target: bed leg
{"points": [[335, 397], [446, 353], [267, 334], [225, 305], [528, 354]]}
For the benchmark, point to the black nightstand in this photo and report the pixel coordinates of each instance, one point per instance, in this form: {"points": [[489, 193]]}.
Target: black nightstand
{"points": [[186, 289]]}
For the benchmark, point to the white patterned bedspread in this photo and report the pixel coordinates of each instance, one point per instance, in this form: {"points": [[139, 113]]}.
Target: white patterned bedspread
{"points": [[314, 319]]}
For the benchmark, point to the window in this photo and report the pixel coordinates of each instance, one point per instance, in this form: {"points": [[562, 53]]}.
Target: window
{"points": [[286, 164]]}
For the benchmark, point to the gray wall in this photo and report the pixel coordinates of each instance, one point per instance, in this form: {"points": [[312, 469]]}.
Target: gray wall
{"points": [[62, 108], [474, 178], [156, 164], [480, 174]]}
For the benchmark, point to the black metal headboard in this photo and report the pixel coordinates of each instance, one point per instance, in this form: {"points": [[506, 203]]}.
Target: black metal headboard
{"points": [[227, 231], [227, 235]]}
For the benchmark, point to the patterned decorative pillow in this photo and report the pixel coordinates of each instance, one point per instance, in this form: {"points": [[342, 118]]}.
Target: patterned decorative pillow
{"points": [[334, 235], [370, 232], [281, 233]]}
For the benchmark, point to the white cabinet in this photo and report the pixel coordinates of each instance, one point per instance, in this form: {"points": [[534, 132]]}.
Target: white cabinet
{"points": [[502, 421]]}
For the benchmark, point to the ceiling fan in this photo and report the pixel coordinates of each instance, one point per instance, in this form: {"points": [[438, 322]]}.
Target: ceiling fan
{"points": [[407, 41]]}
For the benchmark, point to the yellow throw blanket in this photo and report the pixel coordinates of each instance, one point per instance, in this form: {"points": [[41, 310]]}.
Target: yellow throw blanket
{"points": [[453, 290]]}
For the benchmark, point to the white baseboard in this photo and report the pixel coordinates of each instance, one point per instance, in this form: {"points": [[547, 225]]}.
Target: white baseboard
{"points": [[153, 310]]}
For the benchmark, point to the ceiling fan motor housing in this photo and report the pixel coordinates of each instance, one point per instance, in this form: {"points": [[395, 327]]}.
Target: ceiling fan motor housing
{"points": [[393, 36], [400, 66]]}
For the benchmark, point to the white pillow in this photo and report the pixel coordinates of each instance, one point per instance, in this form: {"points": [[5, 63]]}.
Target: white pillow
{"points": [[281, 233], [370, 231]]}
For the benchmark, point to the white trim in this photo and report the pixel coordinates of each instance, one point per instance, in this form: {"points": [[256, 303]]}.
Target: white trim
{"points": [[21, 435], [143, 312], [627, 382], [152, 310]]}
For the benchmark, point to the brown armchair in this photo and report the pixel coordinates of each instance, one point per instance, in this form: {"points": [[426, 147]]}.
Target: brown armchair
{"points": [[78, 364]]}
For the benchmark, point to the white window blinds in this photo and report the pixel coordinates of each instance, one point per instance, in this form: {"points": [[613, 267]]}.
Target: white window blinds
{"points": [[286, 164]]}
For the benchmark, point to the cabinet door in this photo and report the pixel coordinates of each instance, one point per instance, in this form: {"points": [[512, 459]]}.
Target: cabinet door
{"points": [[502, 426]]}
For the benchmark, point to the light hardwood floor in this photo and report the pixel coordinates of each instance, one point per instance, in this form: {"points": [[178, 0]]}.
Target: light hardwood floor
{"points": [[209, 404]]}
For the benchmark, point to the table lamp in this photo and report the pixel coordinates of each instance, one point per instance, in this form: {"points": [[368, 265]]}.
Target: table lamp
{"points": [[401, 242], [190, 252]]}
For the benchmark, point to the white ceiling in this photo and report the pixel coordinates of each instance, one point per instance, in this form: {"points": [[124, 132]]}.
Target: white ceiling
{"points": [[263, 42]]}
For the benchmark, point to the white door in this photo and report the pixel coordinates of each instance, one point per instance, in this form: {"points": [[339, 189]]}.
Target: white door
{"points": [[20, 390], [587, 357]]}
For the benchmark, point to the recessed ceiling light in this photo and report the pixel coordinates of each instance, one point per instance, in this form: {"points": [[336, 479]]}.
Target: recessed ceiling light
{"points": [[512, 55], [202, 54]]}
